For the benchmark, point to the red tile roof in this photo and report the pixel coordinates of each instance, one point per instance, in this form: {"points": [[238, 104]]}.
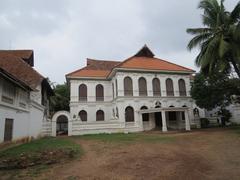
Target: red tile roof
{"points": [[26, 55], [95, 68], [17, 67], [143, 60], [147, 63]]}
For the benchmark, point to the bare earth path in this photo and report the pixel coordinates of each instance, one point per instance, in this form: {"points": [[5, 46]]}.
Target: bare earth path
{"points": [[208, 154]]}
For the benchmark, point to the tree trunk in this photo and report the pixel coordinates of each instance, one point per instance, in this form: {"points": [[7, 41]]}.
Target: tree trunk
{"points": [[236, 68]]}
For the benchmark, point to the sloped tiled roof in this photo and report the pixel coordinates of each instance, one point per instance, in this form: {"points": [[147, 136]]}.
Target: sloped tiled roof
{"points": [[26, 55], [142, 60], [17, 67], [95, 68], [152, 64]]}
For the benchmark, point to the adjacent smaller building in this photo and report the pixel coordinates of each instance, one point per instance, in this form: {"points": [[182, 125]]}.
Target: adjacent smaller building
{"points": [[24, 96]]}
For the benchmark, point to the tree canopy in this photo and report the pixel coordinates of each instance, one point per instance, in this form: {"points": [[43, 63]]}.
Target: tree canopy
{"points": [[214, 91], [219, 39], [61, 99]]}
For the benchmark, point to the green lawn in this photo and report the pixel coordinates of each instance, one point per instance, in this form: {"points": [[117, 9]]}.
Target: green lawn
{"points": [[40, 145]]}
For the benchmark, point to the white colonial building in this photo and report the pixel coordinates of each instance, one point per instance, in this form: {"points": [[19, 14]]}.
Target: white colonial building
{"points": [[138, 94], [24, 95]]}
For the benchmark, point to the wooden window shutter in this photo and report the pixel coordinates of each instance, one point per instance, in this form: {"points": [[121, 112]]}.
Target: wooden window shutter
{"points": [[83, 115], [100, 115], [99, 93], [128, 87], [129, 114], [169, 87], [8, 131], [142, 85], [182, 87], [156, 87], [82, 92]]}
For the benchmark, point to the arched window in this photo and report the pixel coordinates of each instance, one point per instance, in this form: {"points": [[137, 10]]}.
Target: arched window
{"points": [[100, 115], [129, 114], [156, 87], [182, 87], [82, 92], [169, 87], [99, 93], [83, 115], [142, 86], [128, 87], [145, 116]]}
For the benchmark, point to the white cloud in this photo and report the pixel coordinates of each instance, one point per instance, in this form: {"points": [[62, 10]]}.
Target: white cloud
{"points": [[65, 32]]}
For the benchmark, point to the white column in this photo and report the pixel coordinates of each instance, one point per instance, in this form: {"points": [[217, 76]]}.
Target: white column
{"points": [[164, 124], [163, 86], [175, 86], [70, 127], [187, 122], [135, 85], [54, 128], [140, 121]]}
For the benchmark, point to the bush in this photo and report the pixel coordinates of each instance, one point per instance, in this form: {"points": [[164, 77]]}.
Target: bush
{"points": [[204, 122]]}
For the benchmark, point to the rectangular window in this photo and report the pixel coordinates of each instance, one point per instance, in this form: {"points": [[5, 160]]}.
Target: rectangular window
{"points": [[8, 131], [8, 92], [23, 98]]}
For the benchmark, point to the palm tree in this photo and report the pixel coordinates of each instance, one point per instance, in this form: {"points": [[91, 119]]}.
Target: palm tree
{"points": [[219, 39]]}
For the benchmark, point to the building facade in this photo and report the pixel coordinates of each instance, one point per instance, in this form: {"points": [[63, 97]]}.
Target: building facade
{"points": [[24, 96], [138, 94]]}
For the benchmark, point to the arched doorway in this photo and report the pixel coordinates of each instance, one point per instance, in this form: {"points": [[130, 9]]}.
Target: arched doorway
{"points": [[62, 125], [158, 118]]}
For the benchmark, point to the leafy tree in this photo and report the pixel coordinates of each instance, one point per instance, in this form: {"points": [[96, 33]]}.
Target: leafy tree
{"points": [[61, 99], [214, 91], [219, 39]]}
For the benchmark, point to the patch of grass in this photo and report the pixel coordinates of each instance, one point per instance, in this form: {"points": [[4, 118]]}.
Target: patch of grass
{"points": [[39, 145], [39, 153], [127, 138]]}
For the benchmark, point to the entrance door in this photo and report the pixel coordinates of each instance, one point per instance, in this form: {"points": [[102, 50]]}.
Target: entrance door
{"points": [[158, 119], [62, 125], [8, 131]]}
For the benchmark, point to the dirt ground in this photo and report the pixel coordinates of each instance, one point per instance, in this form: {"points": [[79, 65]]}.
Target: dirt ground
{"points": [[204, 154]]}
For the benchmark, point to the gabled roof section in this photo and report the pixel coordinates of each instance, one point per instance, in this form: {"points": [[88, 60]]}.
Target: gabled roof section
{"points": [[19, 69], [143, 60], [26, 55], [95, 68], [144, 52]]}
